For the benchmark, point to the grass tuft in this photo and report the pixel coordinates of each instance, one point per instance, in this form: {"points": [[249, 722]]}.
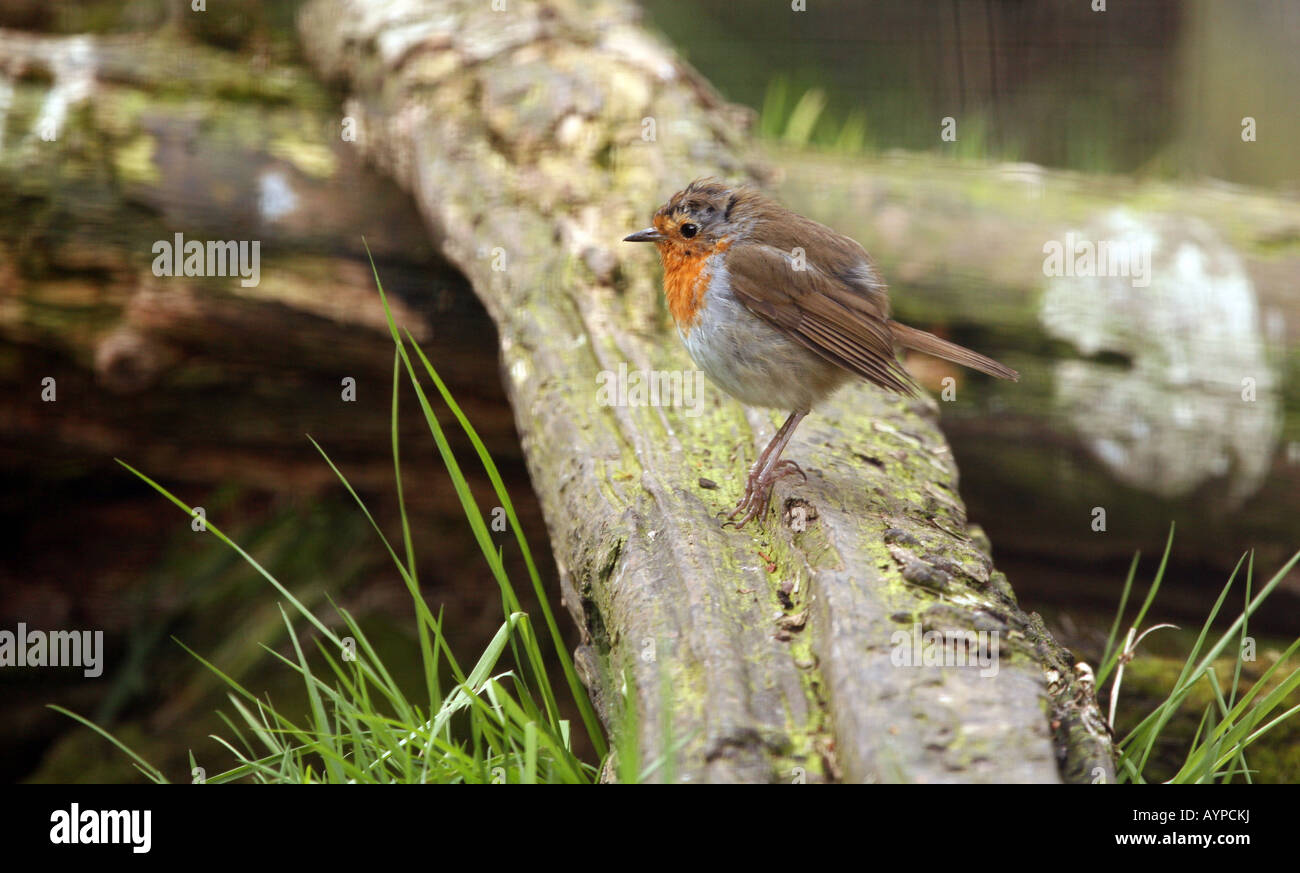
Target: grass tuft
{"points": [[1230, 723], [497, 723]]}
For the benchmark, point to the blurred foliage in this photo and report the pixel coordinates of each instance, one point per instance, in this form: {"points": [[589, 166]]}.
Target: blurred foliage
{"points": [[1157, 88]]}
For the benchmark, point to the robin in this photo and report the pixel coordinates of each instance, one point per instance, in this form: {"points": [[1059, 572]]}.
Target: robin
{"points": [[780, 311]]}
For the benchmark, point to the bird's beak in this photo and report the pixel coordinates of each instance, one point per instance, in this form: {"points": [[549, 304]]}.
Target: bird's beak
{"points": [[647, 235]]}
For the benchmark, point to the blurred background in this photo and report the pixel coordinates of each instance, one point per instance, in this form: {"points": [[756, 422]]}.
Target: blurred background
{"points": [[1174, 123]]}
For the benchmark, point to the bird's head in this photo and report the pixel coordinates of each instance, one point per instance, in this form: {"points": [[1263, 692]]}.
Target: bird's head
{"points": [[697, 218]]}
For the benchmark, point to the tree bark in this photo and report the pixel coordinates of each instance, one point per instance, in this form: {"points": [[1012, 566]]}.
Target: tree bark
{"points": [[533, 141], [145, 360]]}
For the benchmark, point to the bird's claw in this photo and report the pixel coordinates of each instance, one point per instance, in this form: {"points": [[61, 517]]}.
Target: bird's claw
{"points": [[787, 468], [758, 492]]}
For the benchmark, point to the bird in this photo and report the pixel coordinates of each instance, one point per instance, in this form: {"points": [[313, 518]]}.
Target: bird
{"points": [[779, 311]]}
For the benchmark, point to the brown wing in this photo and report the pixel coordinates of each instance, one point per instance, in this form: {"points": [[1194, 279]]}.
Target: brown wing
{"points": [[835, 306], [835, 254]]}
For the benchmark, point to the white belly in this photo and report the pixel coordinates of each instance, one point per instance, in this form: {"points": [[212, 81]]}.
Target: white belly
{"points": [[750, 359]]}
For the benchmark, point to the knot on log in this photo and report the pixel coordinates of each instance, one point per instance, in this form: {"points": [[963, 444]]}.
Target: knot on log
{"points": [[127, 361]]}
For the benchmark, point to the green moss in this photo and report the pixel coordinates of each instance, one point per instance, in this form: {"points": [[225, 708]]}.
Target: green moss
{"points": [[134, 161], [310, 156]]}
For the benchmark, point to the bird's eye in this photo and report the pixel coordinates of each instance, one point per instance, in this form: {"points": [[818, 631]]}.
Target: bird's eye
{"points": [[689, 230]]}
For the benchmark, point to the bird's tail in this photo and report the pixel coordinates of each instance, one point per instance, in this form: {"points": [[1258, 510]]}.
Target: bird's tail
{"points": [[911, 338]]}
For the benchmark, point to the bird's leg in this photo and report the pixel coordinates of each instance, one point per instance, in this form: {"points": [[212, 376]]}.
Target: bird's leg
{"points": [[766, 471]]}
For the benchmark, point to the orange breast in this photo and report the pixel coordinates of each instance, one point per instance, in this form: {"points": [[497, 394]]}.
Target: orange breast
{"points": [[686, 280]]}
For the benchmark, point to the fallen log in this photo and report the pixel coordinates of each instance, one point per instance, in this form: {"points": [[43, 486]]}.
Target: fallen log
{"points": [[1134, 399], [532, 143]]}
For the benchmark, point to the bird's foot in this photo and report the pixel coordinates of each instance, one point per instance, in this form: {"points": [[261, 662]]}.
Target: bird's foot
{"points": [[758, 491]]}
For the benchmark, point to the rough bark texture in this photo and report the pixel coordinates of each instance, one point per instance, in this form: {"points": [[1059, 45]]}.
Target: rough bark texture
{"points": [[145, 361], [745, 656]]}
